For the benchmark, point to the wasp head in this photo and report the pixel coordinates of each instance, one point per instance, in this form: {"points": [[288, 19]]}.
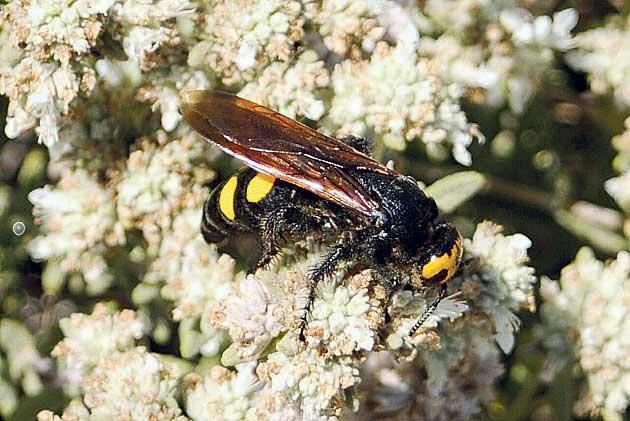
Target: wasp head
{"points": [[439, 261]]}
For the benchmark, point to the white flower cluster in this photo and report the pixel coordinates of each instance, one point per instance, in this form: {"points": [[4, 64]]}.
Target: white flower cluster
{"points": [[161, 179], [49, 91], [59, 30], [49, 58], [496, 50], [591, 300], [131, 385], [452, 385], [603, 54], [499, 281], [147, 25], [193, 271], [90, 338], [221, 394], [401, 97], [83, 220], [195, 278], [241, 38], [349, 27], [266, 306], [291, 89], [252, 316], [316, 385], [317, 380], [79, 222], [38, 72], [340, 318]]}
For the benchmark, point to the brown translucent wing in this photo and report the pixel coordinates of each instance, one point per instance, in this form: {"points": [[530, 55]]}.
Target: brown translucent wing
{"points": [[284, 148]]}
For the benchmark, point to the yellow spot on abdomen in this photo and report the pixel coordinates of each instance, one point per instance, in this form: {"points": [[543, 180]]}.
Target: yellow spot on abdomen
{"points": [[259, 187], [226, 198], [447, 261]]}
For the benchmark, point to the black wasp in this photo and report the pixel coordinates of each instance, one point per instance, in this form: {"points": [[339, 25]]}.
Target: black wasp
{"points": [[300, 182]]}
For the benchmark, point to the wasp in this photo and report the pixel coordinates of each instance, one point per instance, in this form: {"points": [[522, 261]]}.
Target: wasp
{"points": [[301, 182]]}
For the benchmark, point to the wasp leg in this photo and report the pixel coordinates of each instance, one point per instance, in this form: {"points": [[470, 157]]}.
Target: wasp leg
{"points": [[361, 144], [390, 279], [428, 311], [273, 227], [325, 268], [270, 234], [281, 223]]}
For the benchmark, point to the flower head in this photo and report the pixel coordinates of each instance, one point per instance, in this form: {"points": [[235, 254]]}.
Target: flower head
{"points": [[591, 300], [402, 98], [241, 38], [79, 223], [89, 338], [133, 385], [501, 280]]}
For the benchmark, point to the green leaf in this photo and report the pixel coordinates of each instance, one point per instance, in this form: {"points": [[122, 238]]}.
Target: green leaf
{"points": [[189, 337], [599, 237], [453, 190], [561, 394], [51, 399], [33, 168]]}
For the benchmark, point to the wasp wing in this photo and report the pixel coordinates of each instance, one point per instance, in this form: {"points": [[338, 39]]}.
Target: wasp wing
{"points": [[274, 144]]}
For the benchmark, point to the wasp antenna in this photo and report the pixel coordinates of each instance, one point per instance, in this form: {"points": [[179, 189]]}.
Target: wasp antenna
{"points": [[428, 311]]}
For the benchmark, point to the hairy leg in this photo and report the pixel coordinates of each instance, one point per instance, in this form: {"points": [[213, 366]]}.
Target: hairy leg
{"points": [[340, 252], [276, 225]]}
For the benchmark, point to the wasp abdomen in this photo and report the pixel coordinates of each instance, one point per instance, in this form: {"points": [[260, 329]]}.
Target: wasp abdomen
{"points": [[233, 206]]}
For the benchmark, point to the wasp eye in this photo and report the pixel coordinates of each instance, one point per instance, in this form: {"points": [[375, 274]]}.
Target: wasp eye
{"points": [[442, 263]]}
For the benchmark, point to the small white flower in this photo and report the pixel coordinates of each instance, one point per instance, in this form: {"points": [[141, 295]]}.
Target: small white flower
{"points": [[603, 54], [591, 299], [222, 394], [78, 221], [292, 89], [619, 189], [89, 338], [133, 385], [240, 39], [506, 281], [402, 98]]}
